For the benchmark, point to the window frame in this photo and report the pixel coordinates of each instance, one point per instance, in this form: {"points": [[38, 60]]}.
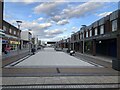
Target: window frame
{"points": [[14, 32], [90, 33], [87, 34], [114, 25], [96, 31], [102, 29]]}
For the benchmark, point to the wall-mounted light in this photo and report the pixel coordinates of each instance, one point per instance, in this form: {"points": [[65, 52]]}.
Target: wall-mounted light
{"points": [[100, 42]]}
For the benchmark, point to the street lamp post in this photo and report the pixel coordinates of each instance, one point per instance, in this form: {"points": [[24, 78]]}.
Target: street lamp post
{"points": [[83, 28], [19, 24], [30, 39]]}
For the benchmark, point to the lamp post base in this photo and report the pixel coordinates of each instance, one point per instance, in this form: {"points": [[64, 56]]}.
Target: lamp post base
{"points": [[116, 64]]}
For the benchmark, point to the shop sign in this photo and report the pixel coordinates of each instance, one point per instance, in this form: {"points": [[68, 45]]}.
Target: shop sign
{"points": [[4, 41], [14, 42]]}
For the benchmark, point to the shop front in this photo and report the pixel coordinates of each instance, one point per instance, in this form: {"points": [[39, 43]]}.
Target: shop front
{"points": [[88, 47], [4, 44], [107, 47], [14, 45]]}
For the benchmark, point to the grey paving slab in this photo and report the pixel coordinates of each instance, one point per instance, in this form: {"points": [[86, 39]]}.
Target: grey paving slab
{"points": [[64, 80], [40, 80], [60, 80], [53, 80], [51, 58]]}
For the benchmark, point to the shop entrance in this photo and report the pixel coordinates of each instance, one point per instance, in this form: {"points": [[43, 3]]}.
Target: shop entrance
{"points": [[107, 47]]}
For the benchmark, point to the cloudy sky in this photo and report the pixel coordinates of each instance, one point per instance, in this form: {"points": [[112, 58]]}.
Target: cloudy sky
{"points": [[54, 20]]}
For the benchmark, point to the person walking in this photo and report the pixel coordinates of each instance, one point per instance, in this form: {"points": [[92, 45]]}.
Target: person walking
{"points": [[7, 51], [33, 51]]}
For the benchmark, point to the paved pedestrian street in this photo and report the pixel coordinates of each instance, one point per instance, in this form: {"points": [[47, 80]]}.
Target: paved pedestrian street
{"points": [[51, 58], [50, 67]]}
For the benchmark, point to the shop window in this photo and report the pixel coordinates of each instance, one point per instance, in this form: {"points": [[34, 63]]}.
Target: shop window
{"points": [[10, 30], [17, 33], [4, 28], [102, 29], [96, 31], [83, 36], [90, 33], [87, 34], [14, 32], [114, 25], [80, 36]]}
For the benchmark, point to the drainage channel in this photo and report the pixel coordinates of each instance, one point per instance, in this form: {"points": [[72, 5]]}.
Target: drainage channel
{"points": [[64, 86]]}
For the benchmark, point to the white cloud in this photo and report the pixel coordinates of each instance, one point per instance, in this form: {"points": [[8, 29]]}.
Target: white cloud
{"points": [[78, 11], [37, 28], [53, 32], [58, 14], [48, 8], [28, 1], [75, 28], [56, 18], [40, 19], [81, 10], [104, 14], [45, 25], [63, 22], [24, 1]]}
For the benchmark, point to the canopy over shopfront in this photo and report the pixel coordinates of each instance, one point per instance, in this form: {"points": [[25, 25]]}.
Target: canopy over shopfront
{"points": [[1, 33]]}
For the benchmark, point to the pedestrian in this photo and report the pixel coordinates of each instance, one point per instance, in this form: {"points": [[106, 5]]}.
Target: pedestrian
{"points": [[7, 49], [33, 51]]}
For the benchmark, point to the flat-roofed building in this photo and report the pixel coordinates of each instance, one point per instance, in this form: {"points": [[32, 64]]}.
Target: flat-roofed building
{"points": [[12, 36], [26, 42]]}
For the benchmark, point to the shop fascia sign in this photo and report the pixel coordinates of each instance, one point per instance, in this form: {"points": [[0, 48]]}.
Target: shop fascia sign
{"points": [[14, 42]]}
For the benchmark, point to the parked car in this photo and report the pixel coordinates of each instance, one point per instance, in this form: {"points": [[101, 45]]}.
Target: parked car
{"points": [[58, 49]]}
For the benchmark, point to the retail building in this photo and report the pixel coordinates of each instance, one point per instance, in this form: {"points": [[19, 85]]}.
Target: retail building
{"points": [[12, 36]]}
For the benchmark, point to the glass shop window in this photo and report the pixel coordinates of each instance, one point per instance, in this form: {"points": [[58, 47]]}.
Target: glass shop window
{"points": [[114, 25], [96, 31], [102, 29]]}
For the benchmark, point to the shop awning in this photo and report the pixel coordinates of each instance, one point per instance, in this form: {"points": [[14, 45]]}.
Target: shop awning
{"points": [[2, 33]]}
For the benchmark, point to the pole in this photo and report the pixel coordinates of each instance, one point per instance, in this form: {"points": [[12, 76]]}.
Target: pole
{"points": [[83, 42], [19, 22], [18, 40], [83, 28], [1, 27]]}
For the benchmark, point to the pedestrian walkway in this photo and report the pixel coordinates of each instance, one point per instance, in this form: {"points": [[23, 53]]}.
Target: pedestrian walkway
{"points": [[50, 58], [14, 53], [106, 59], [103, 61], [62, 82], [13, 56]]}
